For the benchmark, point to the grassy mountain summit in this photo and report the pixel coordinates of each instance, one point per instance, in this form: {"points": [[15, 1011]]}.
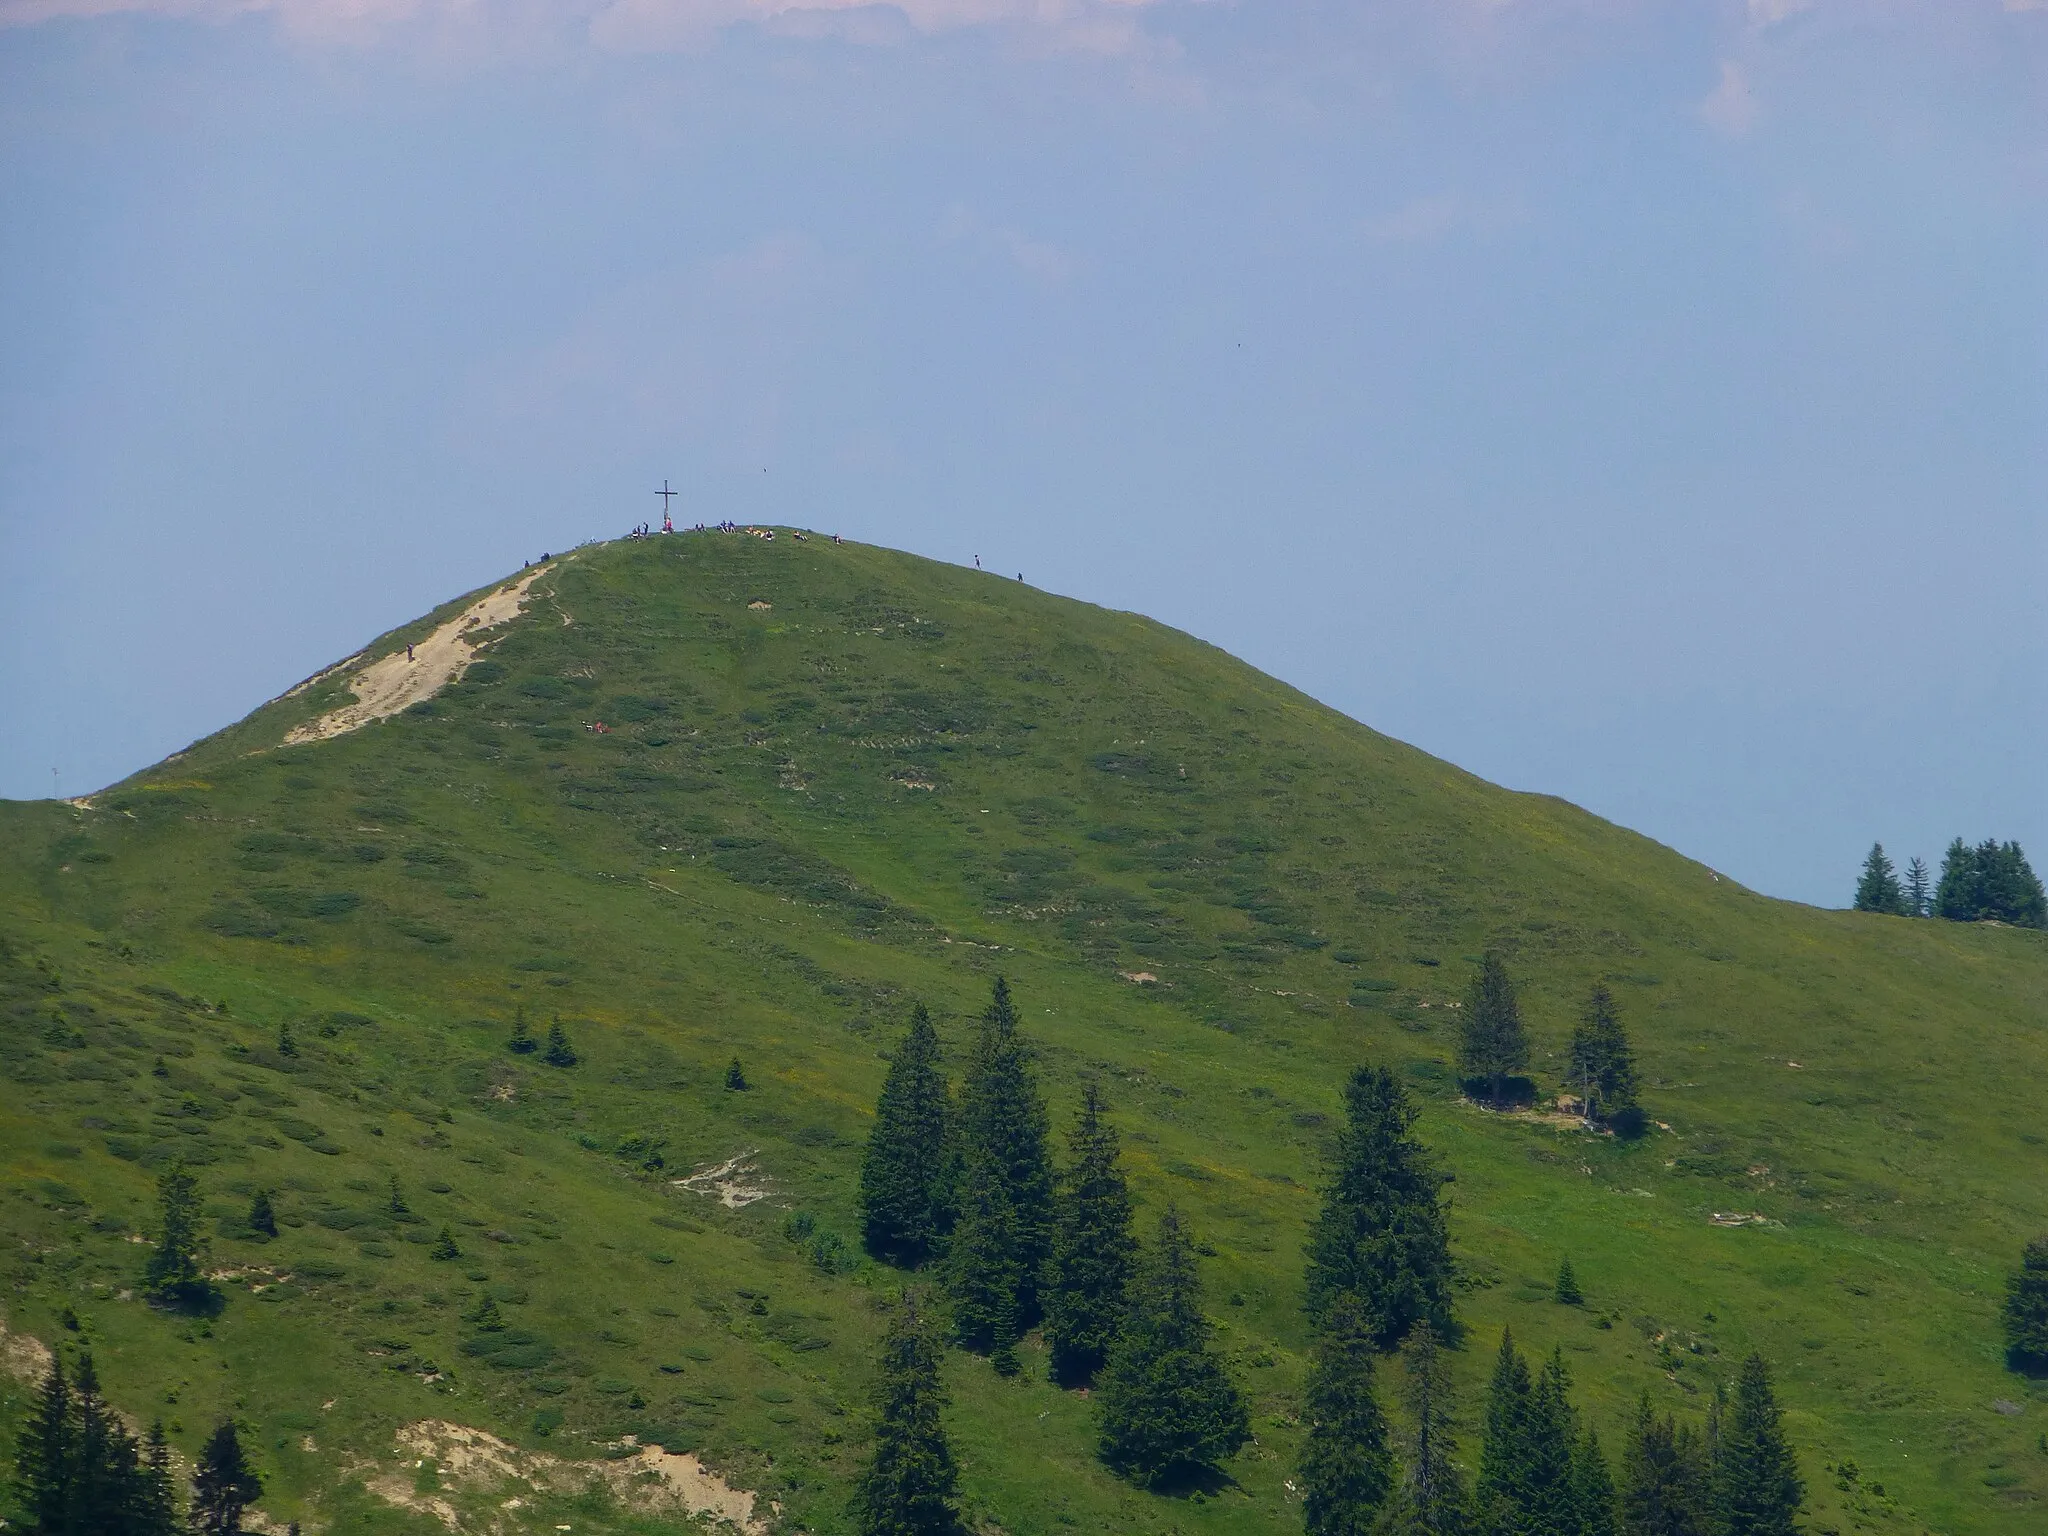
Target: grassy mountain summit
{"points": [[712, 797]]}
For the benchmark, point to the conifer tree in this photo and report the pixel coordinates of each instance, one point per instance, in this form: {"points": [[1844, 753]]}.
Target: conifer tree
{"points": [[985, 1269], [906, 1188], [395, 1201], [1878, 888], [2026, 1310], [1381, 1235], [1345, 1470], [1757, 1490], [1550, 1502], [1990, 882], [106, 1480], [1005, 1222], [1503, 1488], [1662, 1485], [286, 1045], [445, 1246], [1092, 1249], [1603, 1067], [522, 1042], [560, 1053], [1593, 1500], [907, 1487], [172, 1274], [487, 1318], [1956, 894], [1430, 1500], [44, 1455], [1495, 1045], [158, 1507], [224, 1485], [1566, 1291], [736, 1077], [1169, 1408], [262, 1216], [1919, 889]]}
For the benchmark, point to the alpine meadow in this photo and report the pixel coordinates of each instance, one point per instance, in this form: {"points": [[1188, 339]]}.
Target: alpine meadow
{"points": [[446, 1100]]}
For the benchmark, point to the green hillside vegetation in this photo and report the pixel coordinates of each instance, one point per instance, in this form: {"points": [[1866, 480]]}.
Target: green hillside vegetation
{"points": [[456, 1003]]}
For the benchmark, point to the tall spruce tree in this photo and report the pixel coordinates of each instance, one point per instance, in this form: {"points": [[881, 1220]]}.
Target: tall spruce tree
{"points": [[1431, 1498], [1169, 1408], [1878, 888], [1592, 1488], [224, 1485], [1603, 1068], [1345, 1470], [172, 1274], [2026, 1311], [1381, 1237], [1919, 886], [1503, 1490], [1495, 1045], [106, 1482], [907, 1487], [906, 1187], [1093, 1250], [44, 1456], [1502, 1461], [158, 1507], [1550, 1506], [1663, 1483], [1757, 1491], [262, 1214], [1005, 1224], [984, 1265], [1957, 896]]}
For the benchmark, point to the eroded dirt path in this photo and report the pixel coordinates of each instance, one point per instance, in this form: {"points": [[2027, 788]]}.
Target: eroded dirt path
{"points": [[397, 681], [468, 1463]]}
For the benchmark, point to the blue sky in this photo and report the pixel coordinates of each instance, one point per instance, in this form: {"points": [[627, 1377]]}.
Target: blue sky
{"points": [[1643, 403]]}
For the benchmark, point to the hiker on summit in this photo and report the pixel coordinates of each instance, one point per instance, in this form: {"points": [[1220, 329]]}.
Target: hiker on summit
{"points": [[408, 652]]}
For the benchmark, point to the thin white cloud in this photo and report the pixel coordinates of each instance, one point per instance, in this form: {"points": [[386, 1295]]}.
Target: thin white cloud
{"points": [[638, 25], [1730, 107], [1040, 260], [1439, 216]]}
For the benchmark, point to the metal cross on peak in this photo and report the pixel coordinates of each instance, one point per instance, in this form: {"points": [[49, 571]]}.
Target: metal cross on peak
{"points": [[664, 493]]}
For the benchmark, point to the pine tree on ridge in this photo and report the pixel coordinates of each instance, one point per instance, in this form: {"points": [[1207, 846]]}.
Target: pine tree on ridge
{"points": [[906, 1183], [1169, 1410], [1878, 888], [1381, 1236], [1003, 1230], [1345, 1469], [1494, 1043], [1757, 1491], [907, 1487], [1093, 1251], [1430, 1498]]}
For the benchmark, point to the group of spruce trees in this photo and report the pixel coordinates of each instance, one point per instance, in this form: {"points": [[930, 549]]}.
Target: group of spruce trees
{"points": [[969, 1191], [1992, 882], [1494, 1046], [80, 1471]]}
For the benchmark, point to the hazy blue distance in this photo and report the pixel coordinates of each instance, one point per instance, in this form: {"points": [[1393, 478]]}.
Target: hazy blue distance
{"points": [[1644, 404]]}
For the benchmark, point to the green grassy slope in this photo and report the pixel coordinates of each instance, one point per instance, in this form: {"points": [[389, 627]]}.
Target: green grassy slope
{"points": [[895, 781]]}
